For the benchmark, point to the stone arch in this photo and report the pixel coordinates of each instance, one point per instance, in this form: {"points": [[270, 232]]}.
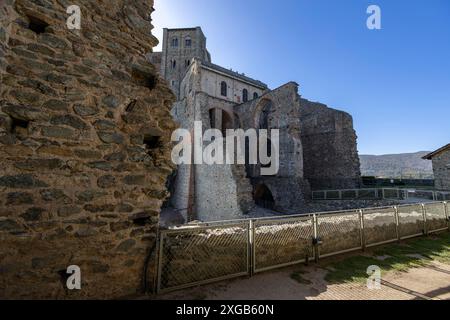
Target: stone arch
{"points": [[223, 119], [261, 114], [263, 196]]}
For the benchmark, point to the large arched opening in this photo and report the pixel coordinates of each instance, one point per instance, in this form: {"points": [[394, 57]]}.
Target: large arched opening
{"points": [[222, 120], [263, 197], [262, 113]]}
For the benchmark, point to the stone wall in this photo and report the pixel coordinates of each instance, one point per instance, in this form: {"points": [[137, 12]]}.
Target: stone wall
{"points": [[288, 187], [441, 169], [329, 147], [85, 131]]}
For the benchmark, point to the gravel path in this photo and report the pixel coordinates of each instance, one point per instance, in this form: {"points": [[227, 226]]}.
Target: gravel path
{"points": [[431, 282]]}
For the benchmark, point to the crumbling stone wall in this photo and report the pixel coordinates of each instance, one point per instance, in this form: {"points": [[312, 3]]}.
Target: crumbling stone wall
{"points": [[329, 147], [85, 148], [288, 187], [441, 168]]}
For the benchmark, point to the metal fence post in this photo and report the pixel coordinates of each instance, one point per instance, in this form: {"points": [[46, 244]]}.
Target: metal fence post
{"points": [[251, 248], [425, 227], [361, 230], [447, 214], [160, 261], [397, 223], [316, 238]]}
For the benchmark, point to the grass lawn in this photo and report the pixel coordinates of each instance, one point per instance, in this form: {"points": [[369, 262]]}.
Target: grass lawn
{"points": [[394, 257]]}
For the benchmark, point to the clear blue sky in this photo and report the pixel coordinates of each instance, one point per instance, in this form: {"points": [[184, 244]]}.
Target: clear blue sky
{"points": [[395, 82]]}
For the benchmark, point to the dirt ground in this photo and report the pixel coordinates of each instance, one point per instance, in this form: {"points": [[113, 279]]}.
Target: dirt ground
{"points": [[424, 283]]}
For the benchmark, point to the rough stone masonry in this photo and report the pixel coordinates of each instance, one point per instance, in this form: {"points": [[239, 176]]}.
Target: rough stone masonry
{"points": [[85, 148]]}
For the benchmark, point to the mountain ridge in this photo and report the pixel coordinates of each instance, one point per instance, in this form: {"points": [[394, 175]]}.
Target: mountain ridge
{"points": [[401, 165]]}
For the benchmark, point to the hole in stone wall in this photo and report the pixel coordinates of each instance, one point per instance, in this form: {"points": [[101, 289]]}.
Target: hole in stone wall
{"points": [[64, 276], [141, 222], [37, 25], [144, 79], [19, 127], [263, 197], [152, 142], [170, 186]]}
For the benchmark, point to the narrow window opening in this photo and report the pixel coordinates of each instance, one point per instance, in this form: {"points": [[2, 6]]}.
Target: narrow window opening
{"points": [[141, 222], [152, 142], [36, 25], [245, 95], [19, 127], [212, 118], [144, 79], [223, 89]]}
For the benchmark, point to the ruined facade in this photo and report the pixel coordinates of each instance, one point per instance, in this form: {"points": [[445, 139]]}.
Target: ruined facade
{"points": [[329, 147], [85, 148], [317, 144]]}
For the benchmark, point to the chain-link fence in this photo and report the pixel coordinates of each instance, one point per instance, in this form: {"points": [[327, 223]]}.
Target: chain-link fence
{"points": [[204, 253], [379, 226], [443, 195], [436, 217], [338, 232], [411, 222], [348, 194], [200, 255], [380, 193], [282, 242]]}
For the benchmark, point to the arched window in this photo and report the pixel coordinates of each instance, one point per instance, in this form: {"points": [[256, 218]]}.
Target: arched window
{"points": [[223, 89], [245, 95], [255, 95], [188, 42], [175, 42], [221, 120], [174, 64], [187, 63], [263, 121]]}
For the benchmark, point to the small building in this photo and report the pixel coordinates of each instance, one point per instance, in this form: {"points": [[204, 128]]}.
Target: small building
{"points": [[441, 167]]}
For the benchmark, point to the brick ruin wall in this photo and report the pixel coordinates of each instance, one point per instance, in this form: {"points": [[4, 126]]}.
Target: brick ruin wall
{"points": [[329, 147], [85, 132]]}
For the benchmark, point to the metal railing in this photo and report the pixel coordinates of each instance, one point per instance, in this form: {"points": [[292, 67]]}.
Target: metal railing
{"points": [[380, 193], [200, 254]]}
